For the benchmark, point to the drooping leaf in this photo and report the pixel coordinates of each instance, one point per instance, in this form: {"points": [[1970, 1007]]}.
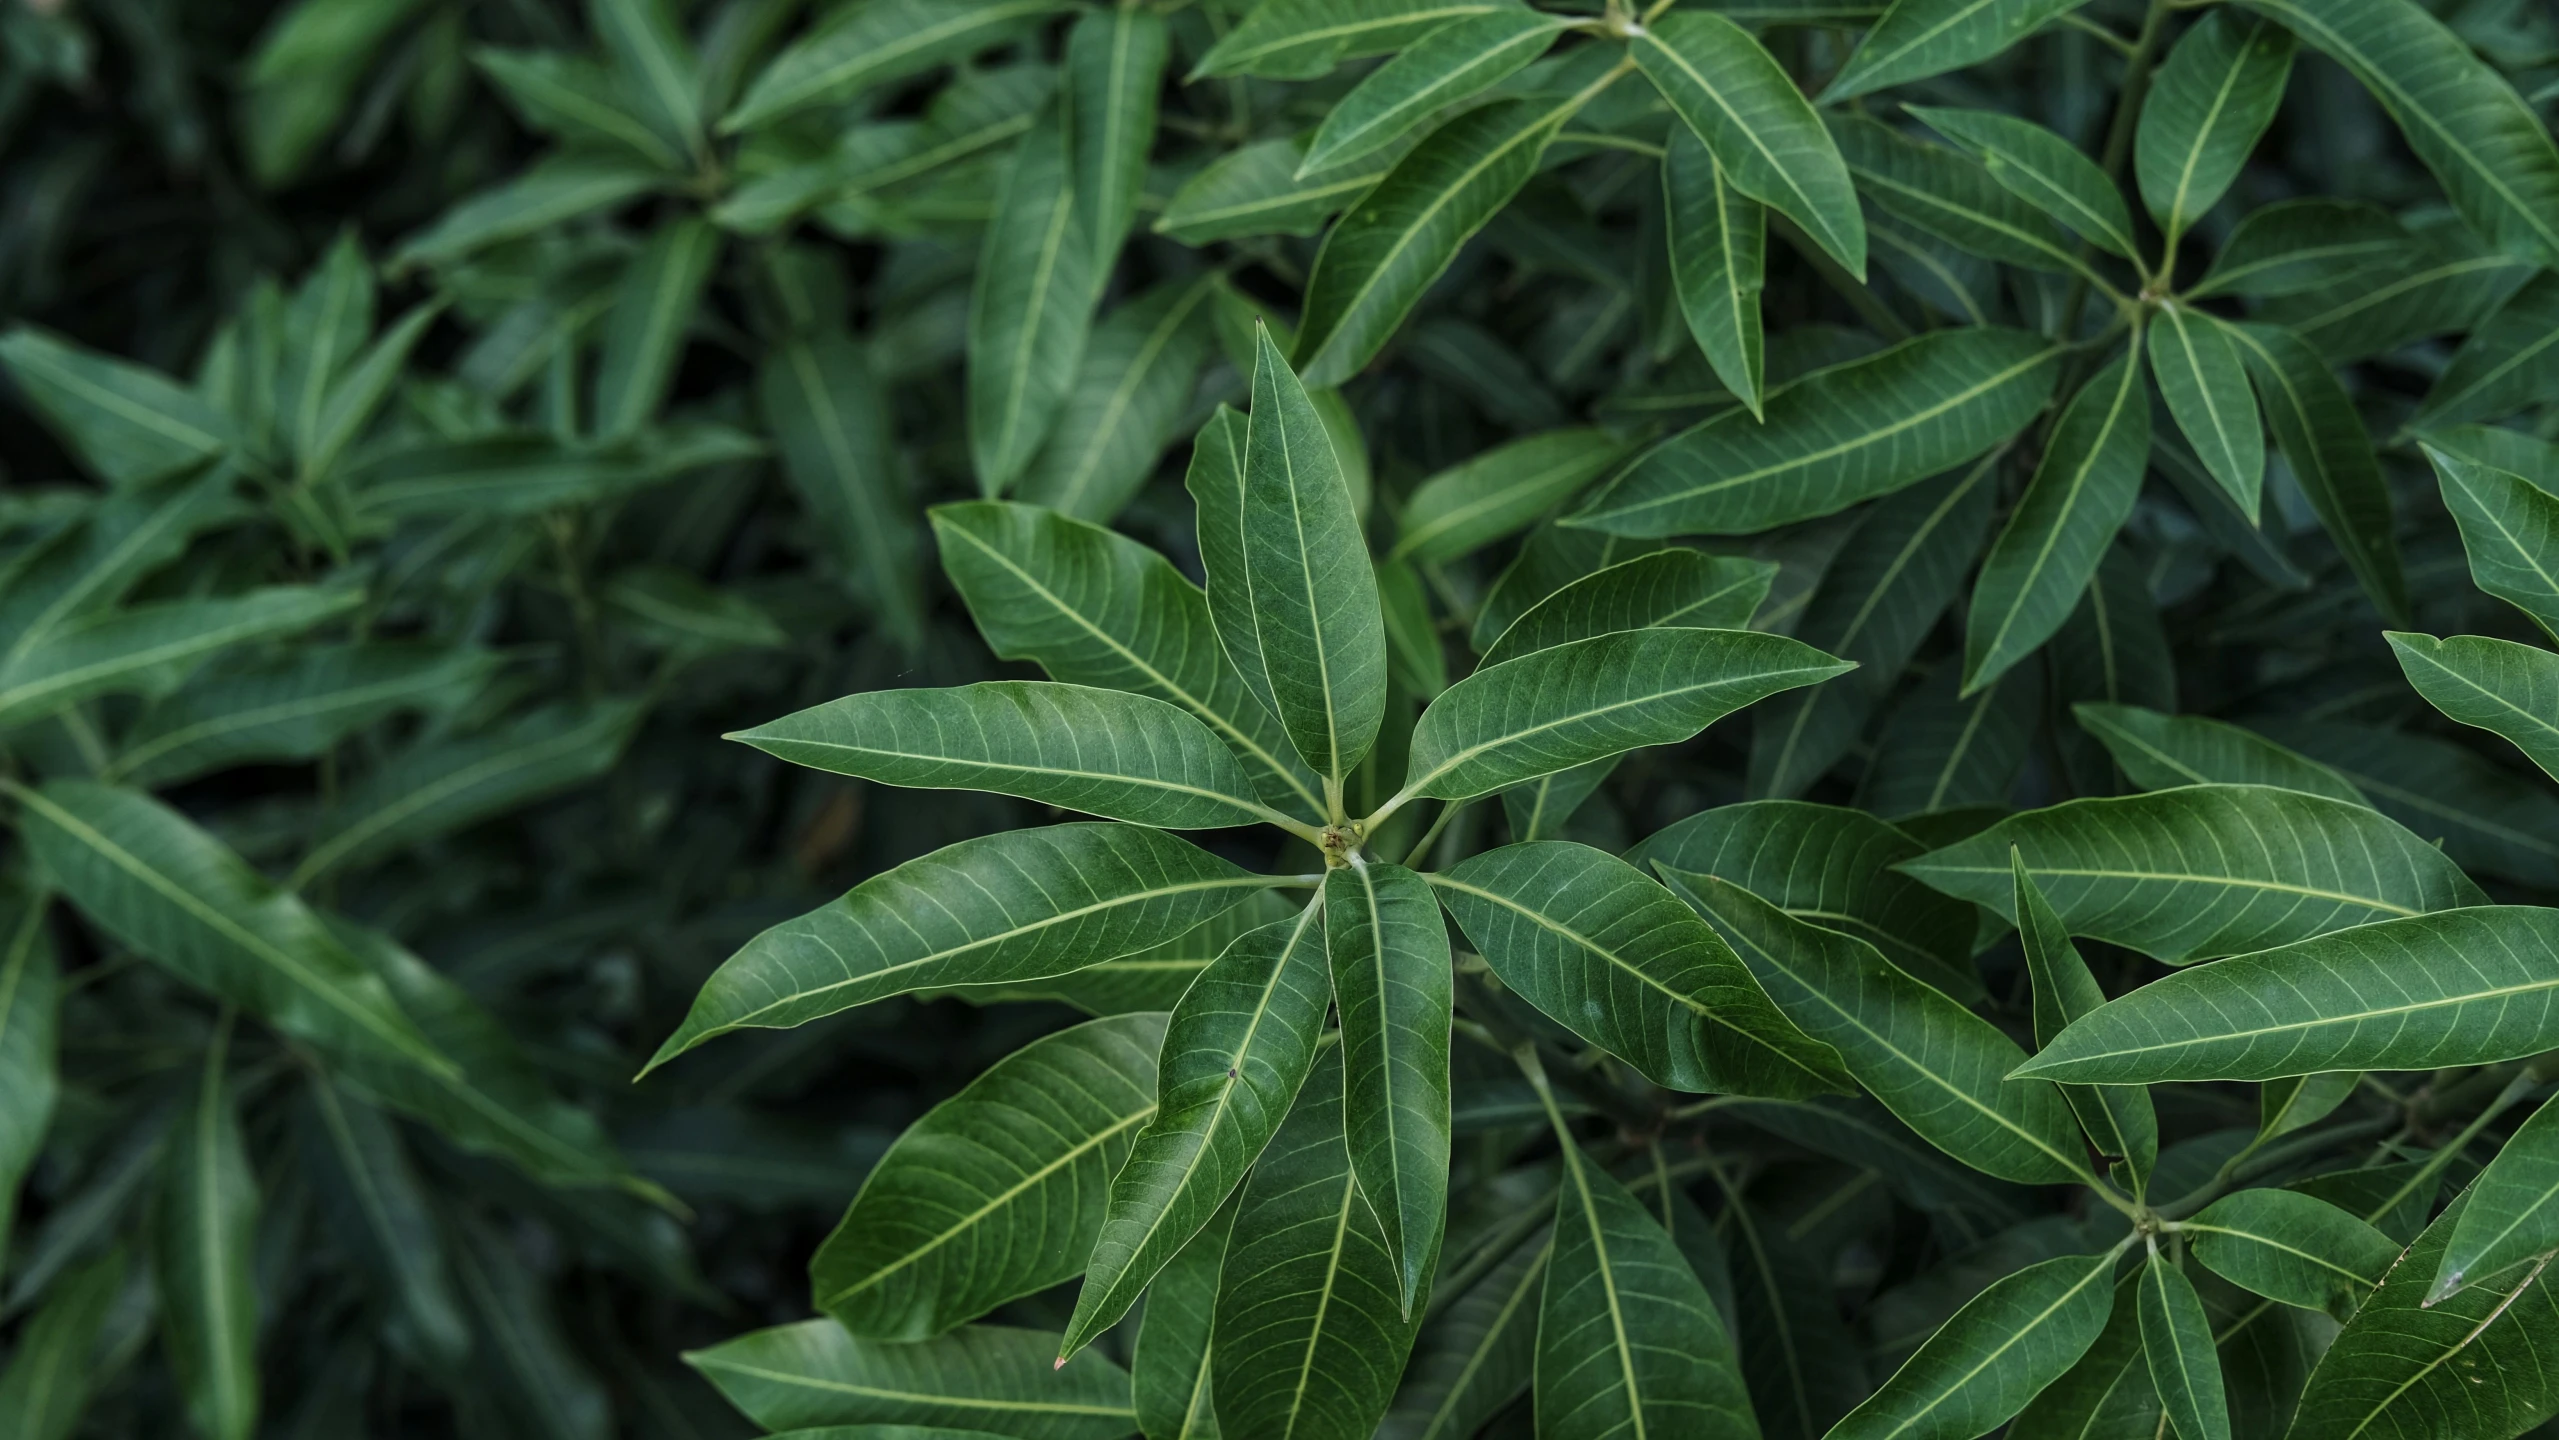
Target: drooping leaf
{"points": [[2042, 169], [1919, 38], [30, 1039], [2508, 363], [1676, 588], [1993, 1355], [1030, 309], [823, 403], [2162, 752], [2113, 650], [2176, 1335], [1152, 979], [2291, 1247], [1392, 987], [1168, 1367], [2510, 528], [873, 44], [150, 647], [1446, 66], [2306, 245], [576, 99], [1114, 72], [2316, 427], [2207, 105], [2206, 387], [2119, 1118], [644, 332], [1127, 399], [206, 1231], [2497, 685], [2451, 285], [1718, 241], [54, 1366], [2507, 1216], [1468, 506], [1803, 1368], [982, 1377]]}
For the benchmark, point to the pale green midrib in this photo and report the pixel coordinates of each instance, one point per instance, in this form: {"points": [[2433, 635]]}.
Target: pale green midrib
{"points": [[1333, 767], [1492, 56], [1347, 32], [2520, 839], [2177, 1352], [2186, 348], [875, 1392], [1963, 744], [1034, 318], [1512, 737], [1385, 1064], [1972, 308], [690, 622], [1324, 1301], [329, 852], [1894, 57], [931, 156], [132, 413], [2449, 270], [1483, 1348], [359, 1176], [2489, 1243], [78, 591], [602, 117], [1449, 519], [1115, 119], [660, 65], [254, 624], [2518, 711], [2528, 553], [21, 954], [1607, 1268], [821, 80], [2031, 1069], [1743, 315], [2455, 1348], [1271, 202], [2198, 1227], [2220, 281], [2497, 372], [1012, 767], [2173, 877], [209, 1248], [1782, 171], [284, 710], [1124, 394], [1956, 1387], [2203, 136], [630, 413], [2115, 411], [323, 359], [1883, 181]]}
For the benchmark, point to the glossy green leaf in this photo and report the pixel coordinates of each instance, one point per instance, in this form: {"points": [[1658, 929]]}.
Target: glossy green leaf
{"points": [[2042, 169], [1168, 1367], [1152, 979], [1983, 1365], [2119, 1119], [870, 45], [1919, 38], [2295, 246], [2508, 1215], [1718, 241], [2206, 386], [1114, 71], [1675, 588], [2108, 1394], [645, 330], [2507, 528], [1392, 987], [1498, 493], [54, 1366], [1127, 400], [1446, 66], [151, 647], [2162, 752], [1030, 309], [2177, 1337], [1950, 195], [821, 398], [1301, 39], [128, 424], [982, 1377], [2207, 105], [2488, 819], [1257, 190], [30, 1039], [2291, 1247], [2511, 361], [206, 1230], [2497, 685]]}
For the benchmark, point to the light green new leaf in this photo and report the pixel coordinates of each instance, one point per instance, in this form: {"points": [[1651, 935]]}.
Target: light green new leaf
{"points": [[1938, 1066], [1470, 505], [1235, 1056], [2510, 528], [2460, 987], [655, 65], [206, 1233], [1919, 38], [1448, 65], [55, 1363], [2510, 1215], [151, 647], [1019, 905], [1114, 71], [864, 46], [1030, 309], [1920, 407], [2493, 154], [2163, 752], [1392, 987], [128, 424], [2204, 871], [2120, 1119], [372, 1204], [2207, 104], [830, 420], [1309, 1335], [2497, 685], [2042, 169], [2108, 1394], [1028, 1148], [30, 1025], [1103, 752], [1676, 589], [1718, 240], [2082, 493], [1581, 701], [2511, 361], [983, 1378], [2295, 246], [1168, 1365], [2292, 1247], [2320, 434], [1256, 190], [1952, 196], [644, 332], [1302, 39], [2206, 386], [2177, 1336], [1992, 1356], [549, 193], [1609, 954], [1477, 1355], [1129, 394]]}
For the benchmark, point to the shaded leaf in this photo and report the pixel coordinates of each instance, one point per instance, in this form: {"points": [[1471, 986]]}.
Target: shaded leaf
{"points": [[2207, 105], [870, 45], [1138, 371], [1030, 309], [1675, 588], [813, 1373], [1992, 1356], [1719, 264], [2162, 752], [1919, 38], [2042, 169], [2120, 1119], [1498, 493], [2291, 1247], [1445, 66], [2177, 1336]]}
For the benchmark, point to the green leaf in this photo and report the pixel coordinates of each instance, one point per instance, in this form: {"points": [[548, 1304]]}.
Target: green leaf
{"points": [[2502, 449], [359, 392], [1718, 241], [1628, 1342], [644, 332], [151, 647], [1803, 1367], [89, 564], [1030, 309], [1301, 39], [206, 1233], [866, 46], [2510, 527], [1392, 987], [2119, 1119], [550, 193], [2177, 1336], [128, 424], [2206, 386], [2115, 650], [1500, 492], [1418, 663], [1768, 143], [1920, 407], [2108, 1394], [2284, 1106], [1992, 1357], [1607, 953], [1114, 71], [2492, 153], [2461, 987], [1919, 38], [2497, 685], [1668, 589], [2485, 817], [668, 607], [1478, 1354], [535, 1373], [828, 418], [1550, 558], [2162, 752], [2204, 871], [2042, 169], [55, 1363], [329, 317], [2207, 105], [1452, 63], [1576, 702], [1941, 751], [656, 66], [989, 1378], [1168, 1367], [2083, 491], [576, 100], [2303, 245], [934, 1238], [1948, 194], [2508, 1216], [1014, 906], [372, 1204], [1309, 1339], [1103, 752], [1128, 397], [1935, 1064], [1235, 1056], [1152, 979], [529, 473], [30, 1035], [2452, 285], [1096, 608], [2291, 1247], [1256, 190], [2510, 362]]}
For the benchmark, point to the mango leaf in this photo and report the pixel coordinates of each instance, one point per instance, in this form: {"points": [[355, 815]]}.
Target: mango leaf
{"points": [[1019, 905], [1954, 197], [2323, 438], [1675, 588], [814, 1373], [1028, 1147], [2451, 285], [1447, 65], [1301, 39], [2291, 1247], [1919, 38], [1168, 1366], [2507, 1216], [1030, 310], [1152, 979], [1114, 72], [2206, 386], [2462, 987], [1982, 1366], [2508, 363], [1478, 1354], [823, 403], [549, 193], [644, 331], [2114, 650], [576, 100], [2120, 1119], [870, 45], [2177, 1336], [2483, 816], [529, 473], [372, 1202], [2295, 246], [1718, 241], [2042, 169], [2205, 870], [30, 1036], [151, 647], [206, 1231], [54, 1365], [1803, 1368], [2108, 1394], [2206, 107], [1498, 493], [1128, 397], [88, 565], [2510, 528], [670, 608], [2497, 685], [2162, 752], [656, 65], [1920, 407], [1258, 189], [1941, 751], [1607, 953], [129, 425], [1392, 981]]}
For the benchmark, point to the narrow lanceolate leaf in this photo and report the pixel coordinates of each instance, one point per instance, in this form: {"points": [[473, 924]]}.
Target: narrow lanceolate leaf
{"points": [[128, 424], [2510, 528], [1478, 1354], [1103, 752], [1675, 589], [2206, 386], [549, 193], [2509, 362], [2176, 1335], [1155, 978], [2210, 100], [990, 1378], [1942, 751], [2162, 752], [2082, 492], [1393, 985], [2512, 1212], [151, 647], [1096, 608], [1402, 234], [1309, 1335], [1128, 396], [2462, 987], [1925, 405], [1029, 310], [373, 1205], [1235, 1055], [55, 1363], [2044, 170], [1993, 1355], [658, 70], [936, 1237], [1446, 66], [207, 1226], [871, 45], [2493, 155], [2108, 1394], [1767, 142], [1938, 1066], [1114, 72], [1168, 1366], [1952, 196], [1803, 1367], [1718, 241], [1573, 703], [1302, 39], [1628, 1341], [1498, 493], [829, 419], [2497, 685], [1919, 38], [30, 1021], [2205, 871], [1609, 954], [644, 333], [1020, 905], [2292, 1247], [2300, 246], [2119, 1118], [1256, 190]]}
